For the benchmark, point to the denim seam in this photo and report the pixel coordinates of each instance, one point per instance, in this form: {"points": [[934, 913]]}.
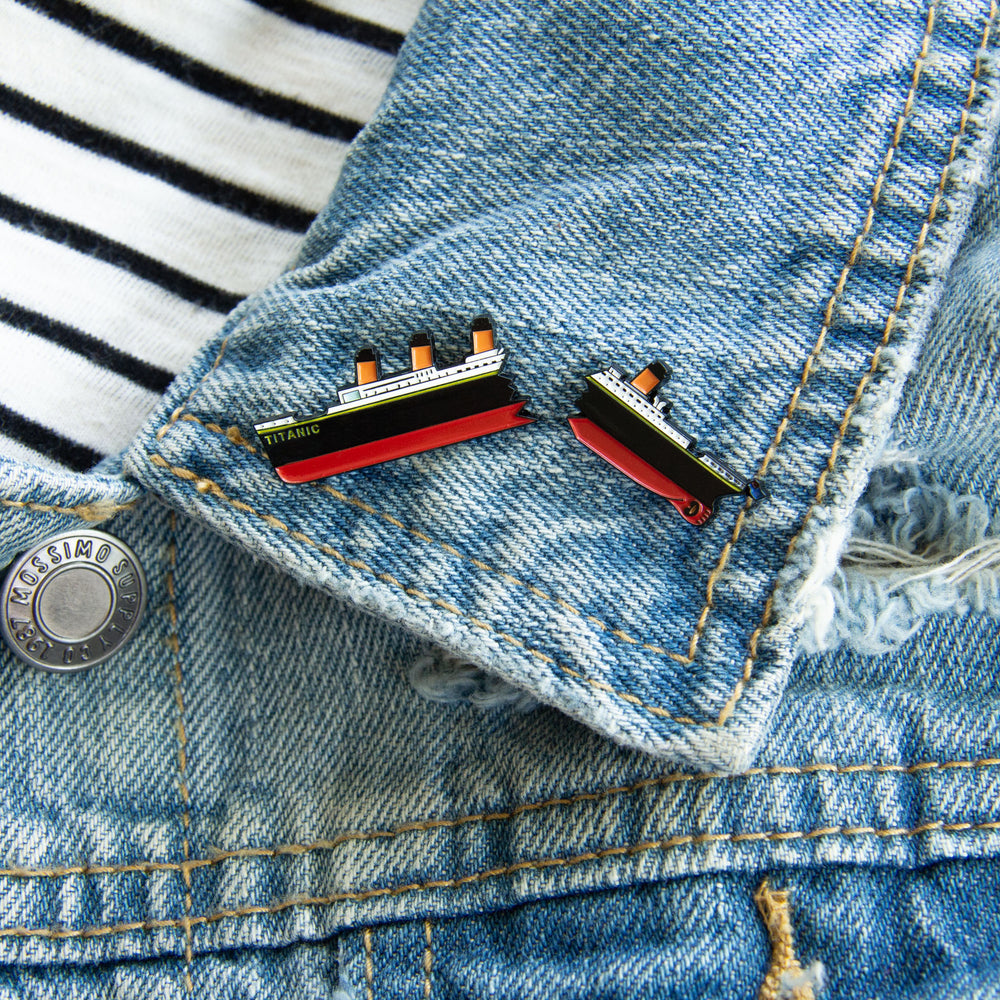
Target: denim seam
{"points": [[536, 864], [175, 646], [233, 435], [428, 963], [148, 867], [194, 392], [776, 914], [204, 485], [811, 360], [99, 511], [867, 376], [747, 672], [366, 937]]}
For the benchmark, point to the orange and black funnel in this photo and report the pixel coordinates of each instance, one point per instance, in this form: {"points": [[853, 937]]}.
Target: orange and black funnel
{"points": [[380, 418]]}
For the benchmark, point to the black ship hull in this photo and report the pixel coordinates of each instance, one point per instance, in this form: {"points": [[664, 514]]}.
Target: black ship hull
{"points": [[327, 444], [656, 450]]}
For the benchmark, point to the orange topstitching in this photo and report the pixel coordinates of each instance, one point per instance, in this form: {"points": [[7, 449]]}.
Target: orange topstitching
{"points": [[207, 486], [174, 644], [775, 911], [204, 485], [428, 963], [416, 826], [535, 864], [233, 435], [890, 323], [369, 965], [92, 511]]}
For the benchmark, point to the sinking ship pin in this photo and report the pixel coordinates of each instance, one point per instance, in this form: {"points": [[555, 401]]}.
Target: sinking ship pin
{"points": [[625, 423], [386, 417]]}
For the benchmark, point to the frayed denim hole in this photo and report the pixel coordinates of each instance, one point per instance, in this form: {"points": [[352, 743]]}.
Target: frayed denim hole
{"points": [[450, 680], [916, 548]]}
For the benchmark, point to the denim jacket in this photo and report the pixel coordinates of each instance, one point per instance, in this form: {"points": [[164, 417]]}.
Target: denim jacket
{"points": [[492, 720]]}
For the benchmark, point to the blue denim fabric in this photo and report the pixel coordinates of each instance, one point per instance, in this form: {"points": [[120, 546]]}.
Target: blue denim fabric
{"points": [[254, 800], [702, 938], [949, 413], [700, 935], [267, 735], [610, 184], [926, 538]]}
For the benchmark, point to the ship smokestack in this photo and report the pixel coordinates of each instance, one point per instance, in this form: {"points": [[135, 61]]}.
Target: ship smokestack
{"points": [[651, 377], [367, 366], [421, 351], [482, 335]]}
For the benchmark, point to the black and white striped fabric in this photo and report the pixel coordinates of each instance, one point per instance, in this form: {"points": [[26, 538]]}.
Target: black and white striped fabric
{"points": [[159, 161]]}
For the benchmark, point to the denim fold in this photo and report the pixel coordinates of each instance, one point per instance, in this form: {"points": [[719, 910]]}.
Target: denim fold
{"points": [[611, 188]]}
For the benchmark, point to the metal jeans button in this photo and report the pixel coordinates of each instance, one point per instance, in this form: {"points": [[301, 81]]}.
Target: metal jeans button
{"points": [[73, 601]]}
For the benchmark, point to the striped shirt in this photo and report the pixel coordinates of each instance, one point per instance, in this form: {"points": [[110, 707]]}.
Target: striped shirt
{"points": [[159, 161]]}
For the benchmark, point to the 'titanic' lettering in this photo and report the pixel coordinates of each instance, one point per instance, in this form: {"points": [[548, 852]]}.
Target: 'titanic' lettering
{"points": [[275, 437]]}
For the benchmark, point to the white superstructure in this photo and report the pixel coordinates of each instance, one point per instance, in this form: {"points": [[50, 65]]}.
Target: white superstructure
{"points": [[404, 384]]}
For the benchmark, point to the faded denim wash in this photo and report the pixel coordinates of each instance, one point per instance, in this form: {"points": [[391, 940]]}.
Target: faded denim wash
{"points": [[255, 799], [669, 194]]}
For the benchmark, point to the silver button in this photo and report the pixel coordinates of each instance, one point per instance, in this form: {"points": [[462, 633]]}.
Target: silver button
{"points": [[73, 601]]}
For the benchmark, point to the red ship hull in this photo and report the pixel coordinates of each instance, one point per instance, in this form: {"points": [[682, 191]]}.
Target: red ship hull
{"points": [[638, 470], [409, 443]]}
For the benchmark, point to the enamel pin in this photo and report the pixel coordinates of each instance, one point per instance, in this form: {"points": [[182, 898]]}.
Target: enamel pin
{"points": [[626, 424], [382, 418]]}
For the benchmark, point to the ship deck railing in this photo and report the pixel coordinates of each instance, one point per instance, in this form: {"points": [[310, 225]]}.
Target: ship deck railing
{"points": [[397, 384]]}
